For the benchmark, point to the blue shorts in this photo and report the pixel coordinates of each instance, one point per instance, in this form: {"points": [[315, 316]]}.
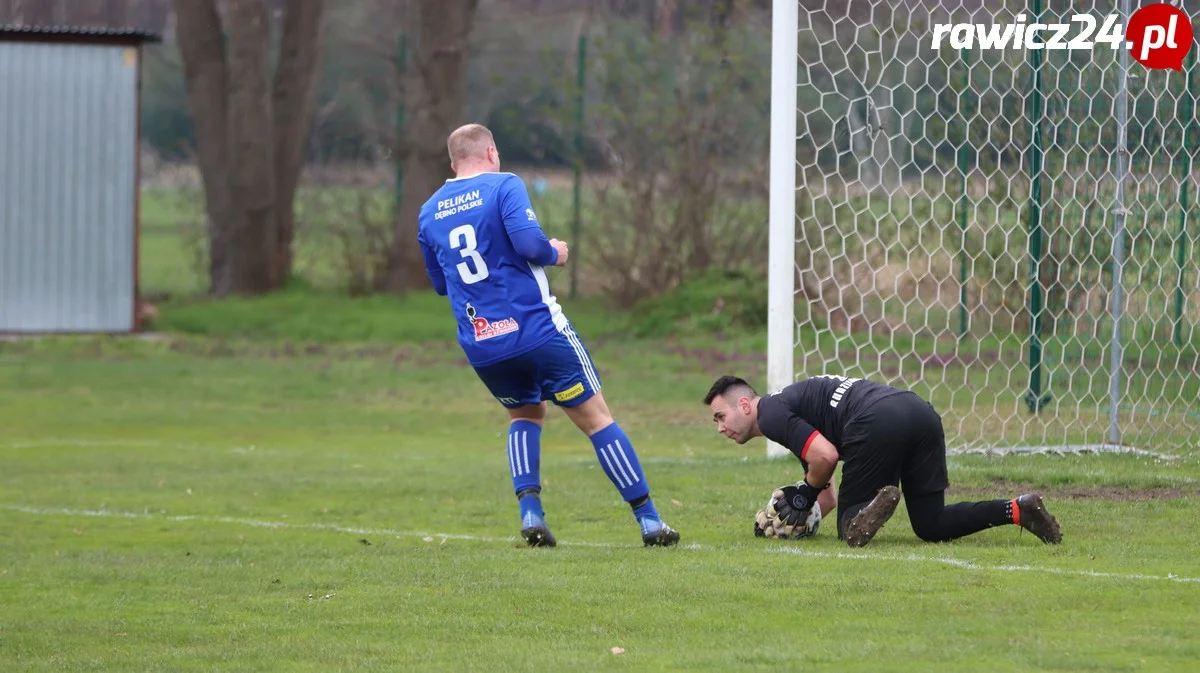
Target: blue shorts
{"points": [[559, 371]]}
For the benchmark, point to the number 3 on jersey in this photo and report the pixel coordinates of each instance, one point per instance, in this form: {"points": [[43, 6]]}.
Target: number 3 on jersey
{"points": [[464, 237]]}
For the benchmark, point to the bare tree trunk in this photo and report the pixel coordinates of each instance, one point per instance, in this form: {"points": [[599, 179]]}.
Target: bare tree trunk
{"points": [[206, 72], [294, 99], [251, 139], [12, 11], [59, 15], [251, 131], [439, 86], [116, 12], [664, 17], [33, 12]]}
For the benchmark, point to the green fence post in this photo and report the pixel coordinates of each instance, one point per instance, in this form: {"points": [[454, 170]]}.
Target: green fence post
{"points": [[1034, 398], [1184, 161], [962, 210], [580, 87]]}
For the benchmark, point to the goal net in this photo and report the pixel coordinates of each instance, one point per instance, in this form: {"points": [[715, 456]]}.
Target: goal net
{"points": [[1010, 233]]}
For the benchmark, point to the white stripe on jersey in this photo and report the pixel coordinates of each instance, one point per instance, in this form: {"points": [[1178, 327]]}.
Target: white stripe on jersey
{"points": [[556, 314], [448, 180]]}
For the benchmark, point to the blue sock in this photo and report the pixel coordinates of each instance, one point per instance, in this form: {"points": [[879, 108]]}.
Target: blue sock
{"points": [[645, 510], [531, 506], [620, 462], [524, 462]]}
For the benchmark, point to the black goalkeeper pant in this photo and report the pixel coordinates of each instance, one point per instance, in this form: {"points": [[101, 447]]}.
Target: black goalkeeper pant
{"points": [[935, 521], [900, 441]]}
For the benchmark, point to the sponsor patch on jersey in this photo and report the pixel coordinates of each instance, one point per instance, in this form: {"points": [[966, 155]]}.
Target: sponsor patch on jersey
{"points": [[485, 329], [530, 215], [458, 204], [570, 393]]}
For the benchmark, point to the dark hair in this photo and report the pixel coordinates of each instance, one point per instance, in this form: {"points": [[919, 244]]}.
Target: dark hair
{"points": [[725, 384]]}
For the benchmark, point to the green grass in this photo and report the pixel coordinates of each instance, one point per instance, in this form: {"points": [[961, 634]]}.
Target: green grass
{"points": [[310, 482], [191, 503], [167, 265]]}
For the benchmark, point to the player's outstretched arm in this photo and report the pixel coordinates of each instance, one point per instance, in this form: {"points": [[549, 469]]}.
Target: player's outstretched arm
{"points": [[432, 267]]}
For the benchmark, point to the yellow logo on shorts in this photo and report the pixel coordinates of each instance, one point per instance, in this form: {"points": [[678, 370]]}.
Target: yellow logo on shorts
{"points": [[570, 393]]}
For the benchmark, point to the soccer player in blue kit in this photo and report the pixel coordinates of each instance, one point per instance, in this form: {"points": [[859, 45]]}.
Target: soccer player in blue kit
{"points": [[485, 250]]}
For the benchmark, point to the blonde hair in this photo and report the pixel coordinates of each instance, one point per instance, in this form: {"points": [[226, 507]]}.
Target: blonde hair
{"points": [[469, 142]]}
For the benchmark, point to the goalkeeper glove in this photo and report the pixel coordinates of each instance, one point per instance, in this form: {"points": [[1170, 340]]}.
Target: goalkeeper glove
{"points": [[797, 502]]}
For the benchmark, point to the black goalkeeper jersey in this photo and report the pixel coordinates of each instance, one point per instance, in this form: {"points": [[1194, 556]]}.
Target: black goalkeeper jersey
{"points": [[824, 404]]}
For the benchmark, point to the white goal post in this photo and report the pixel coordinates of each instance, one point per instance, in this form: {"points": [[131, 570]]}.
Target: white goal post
{"points": [[781, 312], [1011, 233]]}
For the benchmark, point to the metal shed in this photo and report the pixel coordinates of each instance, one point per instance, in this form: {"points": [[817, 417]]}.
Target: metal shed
{"points": [[69, 178]]}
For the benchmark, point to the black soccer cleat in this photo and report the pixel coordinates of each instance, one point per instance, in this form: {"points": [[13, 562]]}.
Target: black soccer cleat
{"points": [[661, 535], [537, 533], [1035, 518], [870, 519]]}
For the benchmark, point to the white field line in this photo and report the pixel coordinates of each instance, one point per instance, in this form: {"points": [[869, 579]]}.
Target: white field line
{"points": [[256, 523], [77, 443], [430, 536], [970, 565]]}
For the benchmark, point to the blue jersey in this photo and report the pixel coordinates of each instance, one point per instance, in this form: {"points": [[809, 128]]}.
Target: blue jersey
{"points": [[497, 288]]}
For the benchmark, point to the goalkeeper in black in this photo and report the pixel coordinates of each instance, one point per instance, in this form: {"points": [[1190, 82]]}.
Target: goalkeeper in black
{"points": [[885, 437]]}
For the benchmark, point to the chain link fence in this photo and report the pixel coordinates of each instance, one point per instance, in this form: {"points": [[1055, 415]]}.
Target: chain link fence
{"points": [[1010, 232]]}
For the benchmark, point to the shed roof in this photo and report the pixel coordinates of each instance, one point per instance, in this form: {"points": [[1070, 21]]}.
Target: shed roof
{"points": [[66, 33]]}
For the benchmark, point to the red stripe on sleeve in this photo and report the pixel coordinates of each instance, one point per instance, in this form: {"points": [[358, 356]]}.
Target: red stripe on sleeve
{"points": [[808, 442]]}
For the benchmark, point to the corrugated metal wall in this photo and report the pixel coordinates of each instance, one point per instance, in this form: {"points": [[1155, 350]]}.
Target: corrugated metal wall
{"points": [[68, 150]]}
